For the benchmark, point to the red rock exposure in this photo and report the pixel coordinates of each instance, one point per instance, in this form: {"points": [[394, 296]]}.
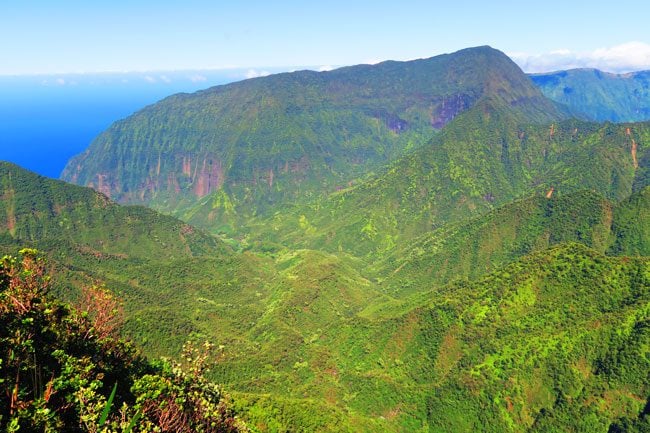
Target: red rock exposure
{"points": [[187, 166], [634, 160], [9, 197], [549, 194], [172, 184], [75, 174], [552, 131], [11, 223], [151, 186], [103, 185], [210, 178]]}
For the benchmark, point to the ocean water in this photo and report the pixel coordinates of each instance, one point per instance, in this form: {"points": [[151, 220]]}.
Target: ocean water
{"points": [[45, 120]]}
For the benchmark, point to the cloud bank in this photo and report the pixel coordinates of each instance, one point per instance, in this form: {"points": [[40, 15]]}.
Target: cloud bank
{"points": [[627, 57], [198, 78], [254, 73]]}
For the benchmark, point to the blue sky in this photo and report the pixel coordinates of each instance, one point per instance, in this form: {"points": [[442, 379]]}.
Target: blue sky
{"points": [[92, 35]]}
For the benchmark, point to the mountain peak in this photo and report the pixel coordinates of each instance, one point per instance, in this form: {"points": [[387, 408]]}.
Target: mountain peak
{"points": [[479, 49]]}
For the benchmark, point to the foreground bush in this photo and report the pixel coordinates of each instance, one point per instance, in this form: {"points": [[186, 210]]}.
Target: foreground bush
{"points": [[66, 369]]}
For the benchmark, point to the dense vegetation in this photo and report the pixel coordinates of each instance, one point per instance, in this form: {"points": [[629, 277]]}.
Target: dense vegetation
{"points": [[486, 157], [388, 354], [65, 369], [599, 95], [555, 341], [470, 249], [410, 246]]}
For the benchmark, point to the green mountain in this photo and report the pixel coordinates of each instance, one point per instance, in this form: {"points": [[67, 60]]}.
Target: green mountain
{"points": [[36, 208], [555, 340], [471, 249], [327, 349], [221, 155], [416, 246], [173, 291], [599, 95], [631, 225], [486, 157]]}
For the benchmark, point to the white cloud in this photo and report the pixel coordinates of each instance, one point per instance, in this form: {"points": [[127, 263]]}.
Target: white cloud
{"points": [[149, 79], [372, 61], [630, 56], [60, 81], [253, 73], [165, 79], [325, 68], [198, 78]]}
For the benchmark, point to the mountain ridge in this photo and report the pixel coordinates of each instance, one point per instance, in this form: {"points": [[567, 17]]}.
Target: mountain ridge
{"points": [[250, 146], [599, 95]]}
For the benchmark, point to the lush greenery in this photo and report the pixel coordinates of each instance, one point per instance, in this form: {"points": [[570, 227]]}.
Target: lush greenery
{"points": [[599, 95], [406, 247], [65, 369], [473, 248], [316, 341], [556, 341]]}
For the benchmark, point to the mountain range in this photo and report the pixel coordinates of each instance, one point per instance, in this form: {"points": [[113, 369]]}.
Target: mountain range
{"points": [[598, 95], [430, 245]]}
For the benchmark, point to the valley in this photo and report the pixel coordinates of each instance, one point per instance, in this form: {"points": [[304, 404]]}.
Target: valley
{"points": [[418, 246]]}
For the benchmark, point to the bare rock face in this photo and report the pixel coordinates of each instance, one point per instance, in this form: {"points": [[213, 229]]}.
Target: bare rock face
{"points": [[209, 178], [448, 108]]}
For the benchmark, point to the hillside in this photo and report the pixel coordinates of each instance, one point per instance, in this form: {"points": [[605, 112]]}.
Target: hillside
{"points": [[218, 156], [36, 208], [554, 341], [172, 277], [486, 157], [598, 95], [471, 249], [412, 246], [328, 351]]}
